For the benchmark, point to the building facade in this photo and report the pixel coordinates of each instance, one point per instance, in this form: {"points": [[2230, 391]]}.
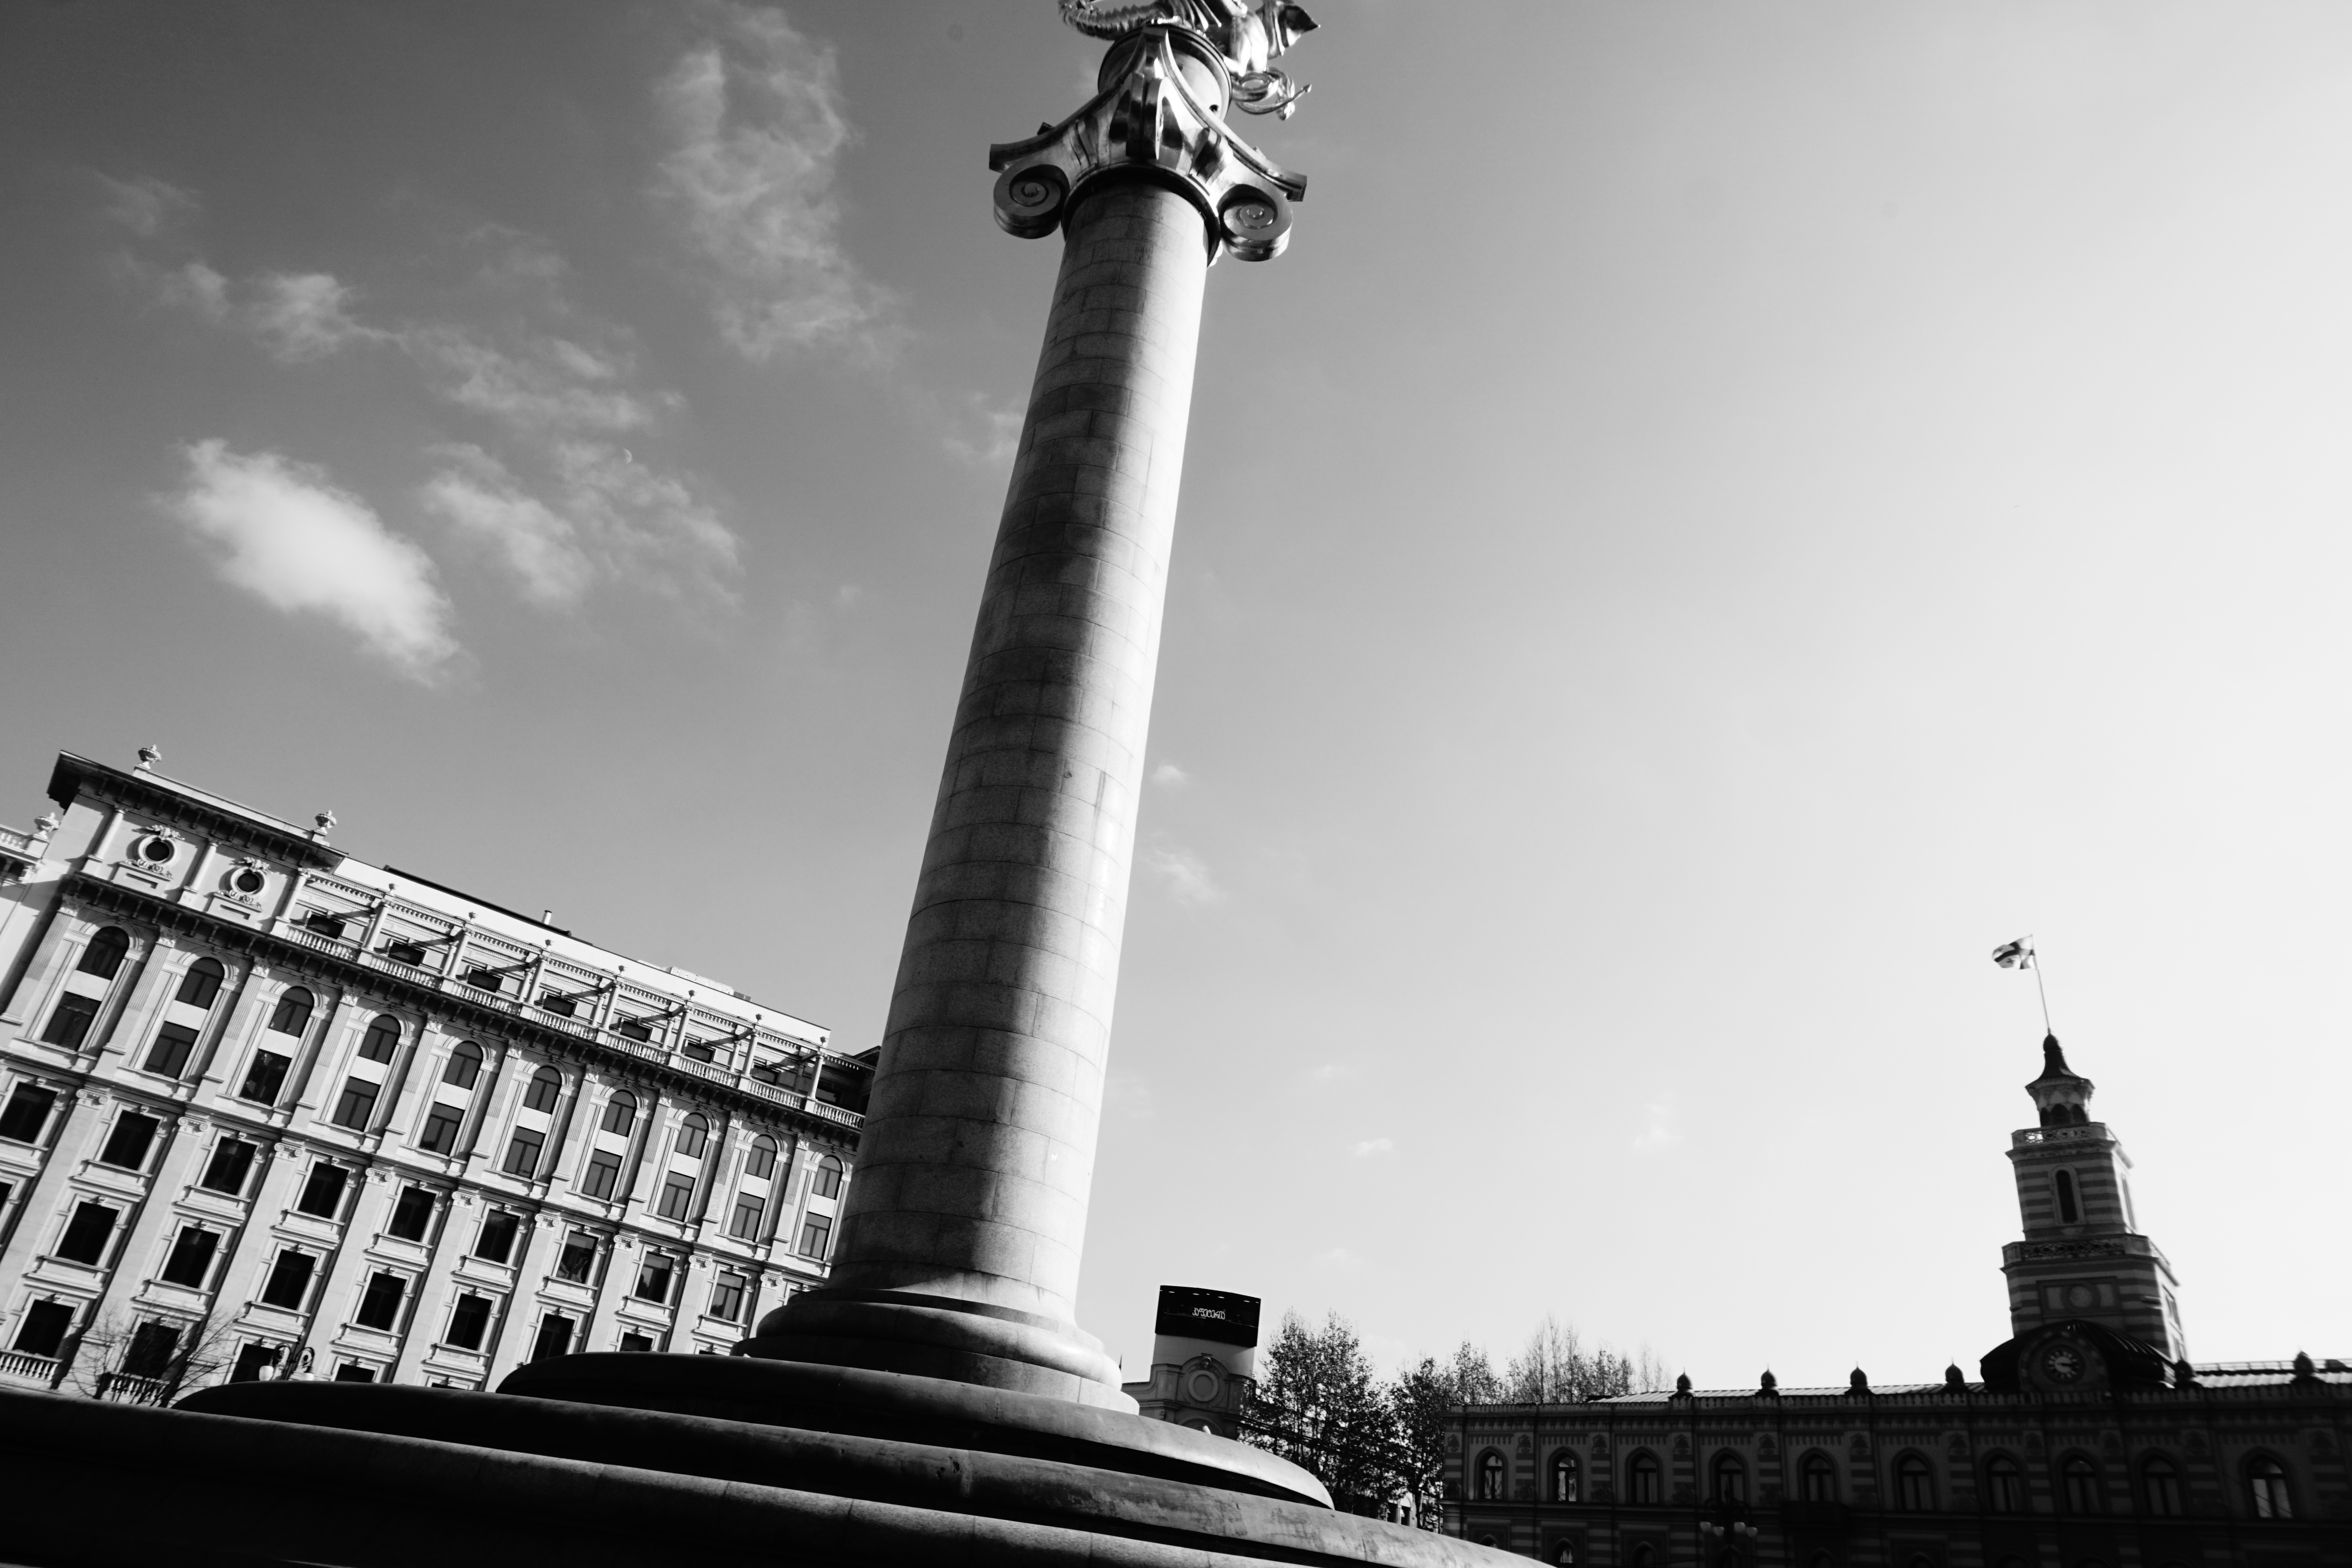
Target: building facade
{"points": [[2088, 1439], [267, 1110]]}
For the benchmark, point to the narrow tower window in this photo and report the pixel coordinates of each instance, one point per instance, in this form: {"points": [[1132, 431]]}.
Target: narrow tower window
{"points": [[2070, 1212]]}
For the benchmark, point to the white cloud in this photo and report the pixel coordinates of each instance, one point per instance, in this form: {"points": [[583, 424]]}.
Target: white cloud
{"points": [[303, 315], [1168, 775], [983, 433], [485, 506], [755, 130], [300, 545], [1184, 874], [544, 490], [613, 519], [147, 206], [1371, 1146], [1128, 1097], [1658, 1129]]}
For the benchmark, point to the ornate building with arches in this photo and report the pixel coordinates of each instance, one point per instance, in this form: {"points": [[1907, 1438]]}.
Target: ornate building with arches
{"points": [[2088, 1439], [267, 1110]]}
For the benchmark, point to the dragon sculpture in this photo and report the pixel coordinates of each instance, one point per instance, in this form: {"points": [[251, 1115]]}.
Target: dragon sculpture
{"points": [[1251, 36]]}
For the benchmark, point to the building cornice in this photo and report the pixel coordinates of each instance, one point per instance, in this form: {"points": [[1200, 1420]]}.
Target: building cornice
{"points": [[474, 1018], [179, 807]]}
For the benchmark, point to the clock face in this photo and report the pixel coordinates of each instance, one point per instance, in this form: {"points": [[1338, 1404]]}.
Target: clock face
{"points": [[2063, 1364]]}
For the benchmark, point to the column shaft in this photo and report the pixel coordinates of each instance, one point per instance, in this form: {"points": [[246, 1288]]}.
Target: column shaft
{"points": [[980, 1138]]}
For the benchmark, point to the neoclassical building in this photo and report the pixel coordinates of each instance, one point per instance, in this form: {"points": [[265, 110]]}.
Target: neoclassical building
{"points": [[267, 1110], [2088, 1439]]}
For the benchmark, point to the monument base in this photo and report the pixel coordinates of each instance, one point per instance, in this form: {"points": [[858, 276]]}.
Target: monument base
{"points": [[630, 1458]]}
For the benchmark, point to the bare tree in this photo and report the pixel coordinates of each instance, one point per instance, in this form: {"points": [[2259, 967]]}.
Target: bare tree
{"points": [[148, 1363]]}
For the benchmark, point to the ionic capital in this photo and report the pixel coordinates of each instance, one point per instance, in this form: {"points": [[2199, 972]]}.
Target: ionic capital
{"points": [[1159, 116]]}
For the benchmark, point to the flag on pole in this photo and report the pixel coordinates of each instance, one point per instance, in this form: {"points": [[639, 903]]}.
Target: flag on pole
{"points": [[2018, 954]]}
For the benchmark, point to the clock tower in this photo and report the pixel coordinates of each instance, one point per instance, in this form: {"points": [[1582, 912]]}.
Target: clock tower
{"points": [[2083, 1271]]}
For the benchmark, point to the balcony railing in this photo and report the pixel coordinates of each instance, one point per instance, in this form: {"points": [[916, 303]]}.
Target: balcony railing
{"points": [[10, 838], [123, 1388], [643, 1051], [22, 1366]]}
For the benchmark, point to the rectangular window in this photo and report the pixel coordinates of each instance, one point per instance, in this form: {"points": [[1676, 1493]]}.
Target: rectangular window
{"points": [[403, 951], [44, 1329], [411, 1215], [252, 1360], [149, 1355], [127, 1145], [578, 1257], [555, 1337], [468, 1321], [28, 1112], [322, 1194], [440, 1135], [629, 1028], [353, 1371], [726, 1298], [265, 1077], [87, 1234], [637, 1345], [322, 923], [231, 1162], [677, 1197], [486, 980], [523, 1152], [168, 1054], [604, 1173], [561, 1006], [496, 1239], [380, 1302], [701, 1052], [749, 1212], [816, 1236], [290, 1280], [191, 1258], [356, 1104], [70, 1021], [654, 1278]]}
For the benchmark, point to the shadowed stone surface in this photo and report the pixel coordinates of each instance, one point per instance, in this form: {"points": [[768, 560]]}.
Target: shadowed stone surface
{"points": [[979, 1147]]}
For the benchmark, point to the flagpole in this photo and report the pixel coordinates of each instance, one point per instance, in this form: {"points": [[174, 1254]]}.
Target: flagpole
{"points": [[2042, 991]]}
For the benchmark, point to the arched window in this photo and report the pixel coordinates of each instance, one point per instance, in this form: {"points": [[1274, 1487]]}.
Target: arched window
{"points": [[1642, 1556], [1915, 1484], [1817, 1478], [1728, 1558], [292, 1014], [1563, 1478], [2004, 1485], [828, 1178], [693, 1137], [1564, 1554], [2078, 1477], [1490, 1476], [2070, 1212], [201, 983], [2160, 1488], [382, 1040], [1730, 1478], [621, 1112], [1641, 1478], [104, 954], [546, 1085], [465, 1068], [2267, 1482], [761, 1161]]}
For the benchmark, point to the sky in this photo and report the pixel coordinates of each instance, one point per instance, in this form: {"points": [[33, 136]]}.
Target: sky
{"points": [[1723, 516]]}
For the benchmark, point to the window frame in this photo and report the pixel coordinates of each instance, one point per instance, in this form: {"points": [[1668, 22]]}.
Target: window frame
{"points": [[2269, 1486], [1915, 1482], [1644, 1479], [1491, 1476], [2091, 1499], [1565, 1475], [205, 976], [102, 955]]}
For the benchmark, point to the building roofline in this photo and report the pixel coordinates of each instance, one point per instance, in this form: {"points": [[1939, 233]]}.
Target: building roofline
{"points": [[186, 804], [478, 898]]}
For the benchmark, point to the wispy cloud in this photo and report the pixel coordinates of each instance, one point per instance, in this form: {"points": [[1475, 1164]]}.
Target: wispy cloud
{"points": [[1658, 1128], [1184, 874], [546, 492], [1168, 775], [146, 205], [754, 129], [299, 544], [983, 433], [1371, 1146]]}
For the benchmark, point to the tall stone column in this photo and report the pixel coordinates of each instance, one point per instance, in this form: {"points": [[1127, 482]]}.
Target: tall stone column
{"points": [[960, 1250]]}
